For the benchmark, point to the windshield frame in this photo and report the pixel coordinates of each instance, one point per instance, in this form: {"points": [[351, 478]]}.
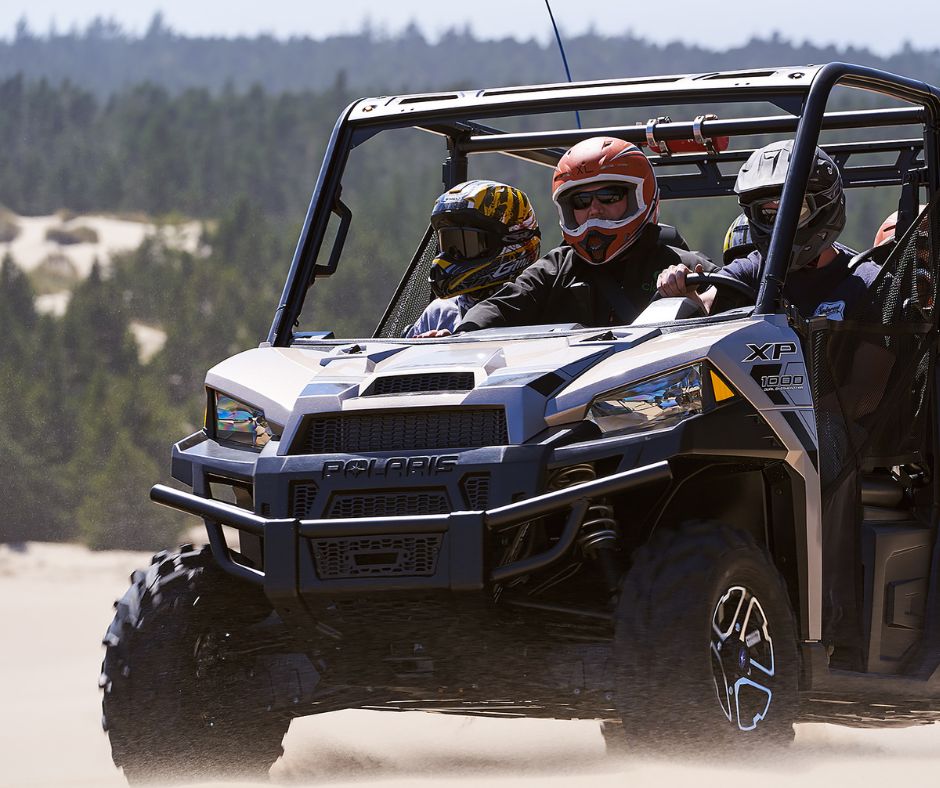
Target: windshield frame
{"points": [[802, 94]]}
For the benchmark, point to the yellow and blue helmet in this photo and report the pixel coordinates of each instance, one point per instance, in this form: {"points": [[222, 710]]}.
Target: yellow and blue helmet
{"points": [[738, 241], [487, 234]]}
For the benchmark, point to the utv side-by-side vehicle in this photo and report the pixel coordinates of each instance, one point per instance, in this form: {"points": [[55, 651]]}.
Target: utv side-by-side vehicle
{"points": [[625, 523]]}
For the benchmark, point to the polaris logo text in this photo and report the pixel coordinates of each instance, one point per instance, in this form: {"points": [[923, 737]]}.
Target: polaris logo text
{"points": [[772, 351], [392, 467]]}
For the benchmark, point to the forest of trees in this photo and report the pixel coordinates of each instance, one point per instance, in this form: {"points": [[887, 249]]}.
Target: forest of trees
{"points": [[230, 132], [89, 425], [148, 150], [106, 59]]}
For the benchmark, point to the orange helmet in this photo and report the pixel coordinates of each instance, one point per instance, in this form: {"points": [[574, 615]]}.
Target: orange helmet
{"points": [[886, 231], [594, 162]]}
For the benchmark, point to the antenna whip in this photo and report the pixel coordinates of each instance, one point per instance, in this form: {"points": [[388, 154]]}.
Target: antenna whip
{"points": [[563, 58]]}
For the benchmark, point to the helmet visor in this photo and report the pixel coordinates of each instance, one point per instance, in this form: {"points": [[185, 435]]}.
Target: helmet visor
{"points": [[620, 195], [468, 244], [763, 213], [606, 195]]}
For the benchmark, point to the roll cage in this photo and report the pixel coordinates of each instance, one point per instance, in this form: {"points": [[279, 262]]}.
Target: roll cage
{"points": [[802, 93]]}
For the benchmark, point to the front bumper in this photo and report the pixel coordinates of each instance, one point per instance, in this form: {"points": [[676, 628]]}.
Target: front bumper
{"points": [[460, 539]]}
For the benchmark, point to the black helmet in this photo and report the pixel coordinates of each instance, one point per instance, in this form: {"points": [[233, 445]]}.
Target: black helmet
{"points": [[822, 217]]}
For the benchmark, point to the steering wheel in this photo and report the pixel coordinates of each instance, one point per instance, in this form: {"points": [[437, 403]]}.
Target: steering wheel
{"points": [[736, 293], [877, 254], [704, 281]]}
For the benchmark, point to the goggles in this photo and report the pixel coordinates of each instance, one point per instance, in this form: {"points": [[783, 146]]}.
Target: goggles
{"points": [[764, 212], [467, 244], [606, 195]]}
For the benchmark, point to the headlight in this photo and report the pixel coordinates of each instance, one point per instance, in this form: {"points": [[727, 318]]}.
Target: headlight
{"points": [[240, 423], [654, 404]]}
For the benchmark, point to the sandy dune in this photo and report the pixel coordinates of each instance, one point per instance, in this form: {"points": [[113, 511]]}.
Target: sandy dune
{"points": [[55, 603], [32, 249], [31, 246]]}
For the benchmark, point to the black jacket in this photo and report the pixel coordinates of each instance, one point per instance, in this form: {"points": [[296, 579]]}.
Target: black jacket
{"points": [[563, 288]]}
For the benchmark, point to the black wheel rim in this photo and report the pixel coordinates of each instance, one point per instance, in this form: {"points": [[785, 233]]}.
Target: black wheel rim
{"points": [[742, 658]]}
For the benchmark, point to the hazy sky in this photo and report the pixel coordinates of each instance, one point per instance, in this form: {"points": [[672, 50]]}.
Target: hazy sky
{"points": [[715, 25]]}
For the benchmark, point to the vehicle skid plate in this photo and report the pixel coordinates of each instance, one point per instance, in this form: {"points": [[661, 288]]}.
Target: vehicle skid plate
{"points": [[431, 552], [427, 552]]}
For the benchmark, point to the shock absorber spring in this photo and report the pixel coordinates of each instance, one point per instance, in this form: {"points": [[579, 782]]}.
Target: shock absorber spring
{"points": [[600, 543], [598, 539], [573, 474], [599, 529]]}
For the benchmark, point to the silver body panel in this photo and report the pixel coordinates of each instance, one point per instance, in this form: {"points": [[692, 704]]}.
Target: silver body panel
{"points": [[290, 383]]}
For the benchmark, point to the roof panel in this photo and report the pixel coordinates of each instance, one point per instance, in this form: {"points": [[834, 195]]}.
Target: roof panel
{"points": [[594, 94]]}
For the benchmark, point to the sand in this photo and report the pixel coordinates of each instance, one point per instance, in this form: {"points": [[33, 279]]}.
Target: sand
{"points": [[31, 247], [55, 604]]}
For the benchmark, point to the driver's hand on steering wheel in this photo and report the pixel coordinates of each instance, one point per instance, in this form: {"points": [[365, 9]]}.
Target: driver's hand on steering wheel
{"points": [[671, 281], [671, 284]]}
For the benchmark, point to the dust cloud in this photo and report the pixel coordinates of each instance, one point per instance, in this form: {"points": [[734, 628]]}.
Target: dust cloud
{"points": [[55, 603]]}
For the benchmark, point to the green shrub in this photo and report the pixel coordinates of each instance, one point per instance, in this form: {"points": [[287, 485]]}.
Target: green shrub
{"points": [[9, 227], [65, 236], [56, 272]]}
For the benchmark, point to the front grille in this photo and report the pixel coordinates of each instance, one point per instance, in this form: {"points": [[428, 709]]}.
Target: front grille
{"points": [[406, 430], [409, 555], [476, 491], [303, 497], [397, 504], [420, 384]]}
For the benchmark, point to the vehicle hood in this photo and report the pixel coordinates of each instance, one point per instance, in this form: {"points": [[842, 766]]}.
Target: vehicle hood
{"points": [[541, 379]]}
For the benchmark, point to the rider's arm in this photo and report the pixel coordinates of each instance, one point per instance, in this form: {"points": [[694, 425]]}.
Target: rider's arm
{"points": [[442, 314], [671, 282], [522, 302]]}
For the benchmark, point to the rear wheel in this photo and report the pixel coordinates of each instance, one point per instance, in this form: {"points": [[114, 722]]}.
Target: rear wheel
{"points": [[174, 697], [705, 644]]}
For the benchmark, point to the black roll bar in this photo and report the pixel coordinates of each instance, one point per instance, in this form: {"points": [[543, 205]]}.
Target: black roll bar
{"points": [[679, 130], [311, 237], [801, 159], [801, 92]]}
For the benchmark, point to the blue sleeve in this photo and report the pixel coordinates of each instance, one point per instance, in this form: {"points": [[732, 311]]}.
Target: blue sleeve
{"points": [[440, 313], [745, 269], [859, 295]]}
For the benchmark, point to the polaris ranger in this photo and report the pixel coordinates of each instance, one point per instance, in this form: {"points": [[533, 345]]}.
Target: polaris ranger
{"points": [[624, 524]]}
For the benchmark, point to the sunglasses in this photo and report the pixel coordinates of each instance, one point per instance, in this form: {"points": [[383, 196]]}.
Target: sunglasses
{"points": [[608, 195], [465, 244], [764, 212]]}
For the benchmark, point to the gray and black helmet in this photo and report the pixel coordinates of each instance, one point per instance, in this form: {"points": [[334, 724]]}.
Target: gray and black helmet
{"points": [[822, 216]]}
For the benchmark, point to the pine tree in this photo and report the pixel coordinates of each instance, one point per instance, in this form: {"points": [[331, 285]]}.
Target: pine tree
{"points": [[17, 314], [116, 511]]}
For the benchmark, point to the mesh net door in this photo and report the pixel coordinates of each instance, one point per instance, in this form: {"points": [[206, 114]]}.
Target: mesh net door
{"points": [[871, 375], [413, 293]]}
